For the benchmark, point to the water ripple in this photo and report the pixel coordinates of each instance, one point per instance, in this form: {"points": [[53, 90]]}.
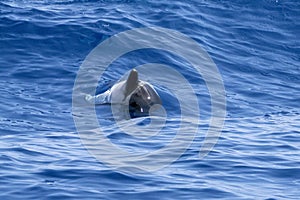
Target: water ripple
{"points": [[255, 46]]}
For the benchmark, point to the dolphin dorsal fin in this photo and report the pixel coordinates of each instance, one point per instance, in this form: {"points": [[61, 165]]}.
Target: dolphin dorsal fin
{"points": [[132, 82]]}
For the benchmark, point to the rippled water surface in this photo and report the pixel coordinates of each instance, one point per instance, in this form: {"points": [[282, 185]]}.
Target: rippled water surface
{"points": [[255, 45]]}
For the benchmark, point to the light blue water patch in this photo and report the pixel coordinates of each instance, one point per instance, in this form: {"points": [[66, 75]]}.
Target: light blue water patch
{"points": [[255, 45]]}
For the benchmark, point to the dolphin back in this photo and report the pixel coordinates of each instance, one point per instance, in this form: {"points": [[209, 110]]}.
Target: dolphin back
{"points": [[137, 95]]}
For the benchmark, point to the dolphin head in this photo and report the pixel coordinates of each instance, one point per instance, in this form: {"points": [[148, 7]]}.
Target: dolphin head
{"points": [[141, 95], [142, 99]]}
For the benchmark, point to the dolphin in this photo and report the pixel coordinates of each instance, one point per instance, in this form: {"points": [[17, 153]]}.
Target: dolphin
{"points": [[137, 95]]}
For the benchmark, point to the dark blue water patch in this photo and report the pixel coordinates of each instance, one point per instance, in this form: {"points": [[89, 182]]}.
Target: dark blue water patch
{"points": [[287, 173], [138, 57]]}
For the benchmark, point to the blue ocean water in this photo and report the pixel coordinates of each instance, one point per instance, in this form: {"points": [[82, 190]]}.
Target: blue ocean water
{"points": [[255, 45]]}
